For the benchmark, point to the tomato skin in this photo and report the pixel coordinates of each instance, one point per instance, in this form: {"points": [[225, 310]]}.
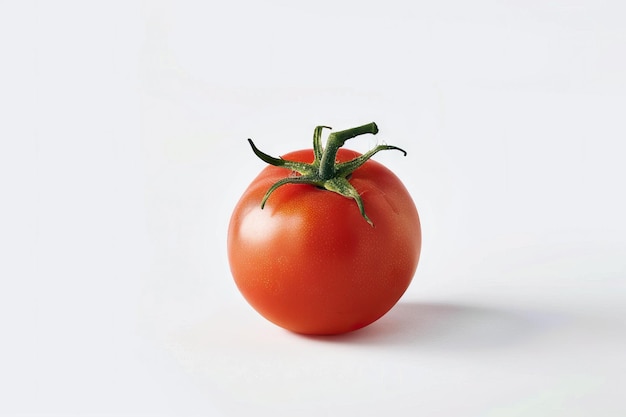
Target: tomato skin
{"points": [[310, 263]]}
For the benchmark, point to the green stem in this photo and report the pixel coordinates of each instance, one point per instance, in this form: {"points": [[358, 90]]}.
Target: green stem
{"points": [[335, 141], [324, 171]]}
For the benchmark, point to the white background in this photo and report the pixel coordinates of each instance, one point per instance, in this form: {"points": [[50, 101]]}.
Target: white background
{"points": [[123, 152]]}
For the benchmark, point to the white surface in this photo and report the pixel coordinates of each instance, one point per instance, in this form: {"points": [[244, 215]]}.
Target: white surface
{"points": [[117, 122]]}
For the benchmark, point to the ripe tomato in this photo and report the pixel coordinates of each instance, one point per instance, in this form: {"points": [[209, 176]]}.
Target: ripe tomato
{"points": [[309, 260]]}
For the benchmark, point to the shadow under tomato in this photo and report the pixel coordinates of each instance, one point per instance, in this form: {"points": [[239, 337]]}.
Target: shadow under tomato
{"points": [[450, 326]]}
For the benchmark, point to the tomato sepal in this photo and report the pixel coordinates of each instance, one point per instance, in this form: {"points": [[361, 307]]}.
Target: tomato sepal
{"points": [[324, 171]]}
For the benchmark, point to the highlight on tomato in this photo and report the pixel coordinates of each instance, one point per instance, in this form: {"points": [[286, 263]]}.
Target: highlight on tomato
{"points": [[324, 240]]}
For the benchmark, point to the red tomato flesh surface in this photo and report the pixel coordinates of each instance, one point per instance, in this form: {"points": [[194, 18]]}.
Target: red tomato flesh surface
{"points": [[310, 263]]}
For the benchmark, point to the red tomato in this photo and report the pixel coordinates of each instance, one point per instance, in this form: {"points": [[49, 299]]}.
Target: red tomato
{"points": [[310, 262]]}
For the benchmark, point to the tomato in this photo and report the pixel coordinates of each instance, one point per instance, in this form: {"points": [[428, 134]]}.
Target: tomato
{"points": [[315, 260]]}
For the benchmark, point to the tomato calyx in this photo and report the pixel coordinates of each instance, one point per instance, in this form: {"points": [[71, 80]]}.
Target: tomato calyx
{"points": [[324, 171]]}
